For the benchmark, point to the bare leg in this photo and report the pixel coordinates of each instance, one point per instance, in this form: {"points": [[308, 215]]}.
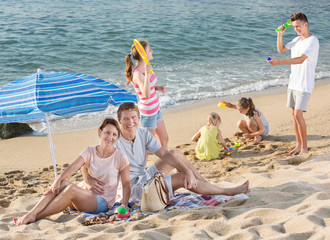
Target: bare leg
{"points": [[70, 195], [302, 129], [242, 124], [204, 187], [253, 127], [296, 131], [161, 134], [43, 202], [81, 199], [162, 166]]}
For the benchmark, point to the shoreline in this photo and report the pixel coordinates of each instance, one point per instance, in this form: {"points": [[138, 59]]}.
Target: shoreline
{"points": [[32, 152]]}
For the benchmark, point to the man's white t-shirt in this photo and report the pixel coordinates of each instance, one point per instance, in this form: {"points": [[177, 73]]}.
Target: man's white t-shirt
{"points": [[136, 151], [302, 77], [136, 154]]}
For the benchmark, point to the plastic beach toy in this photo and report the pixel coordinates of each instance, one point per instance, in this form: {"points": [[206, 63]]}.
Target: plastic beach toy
{"points": [[287, 24], [122, 212], [228, 151], [222, 104], [269, 58], [237, 144], [142, 53]]}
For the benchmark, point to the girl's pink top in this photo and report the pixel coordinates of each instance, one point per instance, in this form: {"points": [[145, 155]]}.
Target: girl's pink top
{"points": [[148, 107]]}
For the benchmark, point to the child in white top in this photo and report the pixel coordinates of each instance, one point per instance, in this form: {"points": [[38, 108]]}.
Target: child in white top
{"points": [[254, 124]]}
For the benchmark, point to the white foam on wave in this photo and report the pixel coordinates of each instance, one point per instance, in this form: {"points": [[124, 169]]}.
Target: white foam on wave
{"points": [[75, 123], [176, 94]]}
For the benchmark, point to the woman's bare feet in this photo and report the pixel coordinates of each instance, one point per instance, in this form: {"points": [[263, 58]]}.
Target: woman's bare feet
{"points": [[26, 219]]}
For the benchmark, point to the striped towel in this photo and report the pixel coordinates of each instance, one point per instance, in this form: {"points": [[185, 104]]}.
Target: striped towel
{"points": [[182, 201]]}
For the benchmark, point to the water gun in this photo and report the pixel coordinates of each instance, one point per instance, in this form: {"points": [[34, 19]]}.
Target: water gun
{"points": [[142, 53], [287, 24]]}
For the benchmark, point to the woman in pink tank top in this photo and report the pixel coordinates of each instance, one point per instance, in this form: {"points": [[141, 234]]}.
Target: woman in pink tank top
{"points": [[145, 87]]}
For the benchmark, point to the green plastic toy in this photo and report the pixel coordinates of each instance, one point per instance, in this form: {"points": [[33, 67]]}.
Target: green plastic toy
{"points": [[237, 144], [287, 24]]}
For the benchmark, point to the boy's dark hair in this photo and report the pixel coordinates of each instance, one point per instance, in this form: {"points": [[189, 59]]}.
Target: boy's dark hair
{"points": [[127, 106], [299, 16]]}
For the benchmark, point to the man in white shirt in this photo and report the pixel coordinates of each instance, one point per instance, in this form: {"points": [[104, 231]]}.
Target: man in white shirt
{"points": [[135, 142], [304, 54]]}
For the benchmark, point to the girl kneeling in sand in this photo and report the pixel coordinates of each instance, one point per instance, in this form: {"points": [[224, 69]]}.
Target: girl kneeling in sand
{"points": [[254, 124], [209, 138], [104, 162]]}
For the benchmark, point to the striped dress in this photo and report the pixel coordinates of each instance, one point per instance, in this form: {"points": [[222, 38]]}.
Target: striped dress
{"points": [[148, 107]]}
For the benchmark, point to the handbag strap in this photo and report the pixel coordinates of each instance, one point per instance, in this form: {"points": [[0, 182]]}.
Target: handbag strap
{"points": [[163, 187]]}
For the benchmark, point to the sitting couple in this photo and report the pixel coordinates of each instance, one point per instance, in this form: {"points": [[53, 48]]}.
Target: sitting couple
{"points": [[97, 193]]}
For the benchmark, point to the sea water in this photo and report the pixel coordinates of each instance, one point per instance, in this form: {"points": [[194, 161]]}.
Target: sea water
{"points": [[202, 49]]}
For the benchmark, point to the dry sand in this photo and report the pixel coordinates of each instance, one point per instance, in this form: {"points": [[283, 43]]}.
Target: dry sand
{"points": [[289, 197]]}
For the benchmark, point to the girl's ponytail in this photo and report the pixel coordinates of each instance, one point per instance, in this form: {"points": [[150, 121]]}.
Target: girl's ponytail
{"points": [[129, 69], [252, 108], [247, 103]]}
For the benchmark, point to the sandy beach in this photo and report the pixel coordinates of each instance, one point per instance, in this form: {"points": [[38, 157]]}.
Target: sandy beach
{"points": [[289, 196]]}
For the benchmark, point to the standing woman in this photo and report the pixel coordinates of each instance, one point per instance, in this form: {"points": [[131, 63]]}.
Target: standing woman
{"points": [[145, 86]]}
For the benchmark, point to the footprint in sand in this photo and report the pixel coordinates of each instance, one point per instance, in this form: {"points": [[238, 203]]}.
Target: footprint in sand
{"points": [[296, 160], [274, 146]]}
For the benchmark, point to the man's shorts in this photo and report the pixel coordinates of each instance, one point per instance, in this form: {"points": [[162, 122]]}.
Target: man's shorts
{"points": [[298, 100], [150, 122], [136, 185]]}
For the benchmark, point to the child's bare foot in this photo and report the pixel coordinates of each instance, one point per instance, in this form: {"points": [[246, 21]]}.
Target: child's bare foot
{"points": [[295, 150], [247, 136], [303, 152], [257, 139], [26, 219]]}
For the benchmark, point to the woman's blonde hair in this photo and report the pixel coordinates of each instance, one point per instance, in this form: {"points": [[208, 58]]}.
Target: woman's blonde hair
{"points": [[213, 117]]}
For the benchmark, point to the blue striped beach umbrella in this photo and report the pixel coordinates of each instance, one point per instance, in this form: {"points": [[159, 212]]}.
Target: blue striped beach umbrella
{"points": [[60, 93]]}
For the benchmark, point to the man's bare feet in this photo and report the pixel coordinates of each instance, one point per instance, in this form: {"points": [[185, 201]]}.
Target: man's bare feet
{"points": [[26, 219], [244, 188], [294, 151]]}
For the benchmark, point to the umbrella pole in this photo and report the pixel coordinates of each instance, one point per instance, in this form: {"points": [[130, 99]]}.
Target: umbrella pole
{"points": [[51, 144]]}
